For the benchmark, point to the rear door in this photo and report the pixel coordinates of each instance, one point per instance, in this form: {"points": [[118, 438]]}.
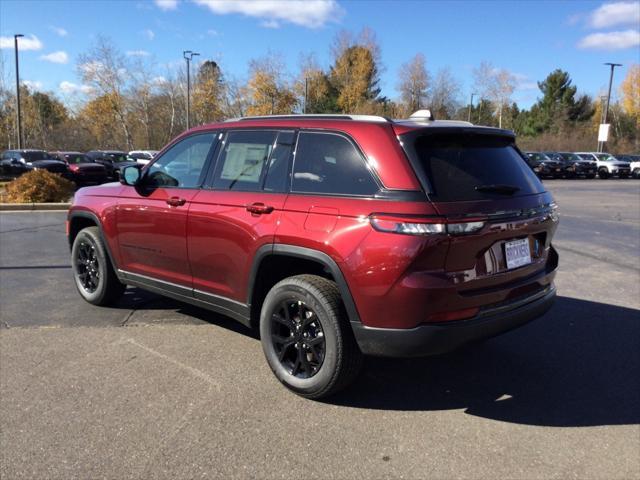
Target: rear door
{"points": [[152, 218], [475, 176], [239, 210]]}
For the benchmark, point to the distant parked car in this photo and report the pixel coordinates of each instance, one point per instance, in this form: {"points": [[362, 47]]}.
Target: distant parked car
{"points": [[543, 166], [608, 165], [14, 163], [142, 156], [634, 164], [576, 166], [113, 160], [84, 171]]}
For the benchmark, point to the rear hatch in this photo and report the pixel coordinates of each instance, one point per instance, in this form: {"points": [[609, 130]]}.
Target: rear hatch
{"points": [[476, 176]]}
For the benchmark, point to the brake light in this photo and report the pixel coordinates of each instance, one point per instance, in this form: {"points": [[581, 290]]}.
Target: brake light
{"points": [[74, 168], [423, 226]]}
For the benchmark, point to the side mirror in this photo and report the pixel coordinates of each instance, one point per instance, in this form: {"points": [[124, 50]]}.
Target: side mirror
{"points": [[130, 175]]}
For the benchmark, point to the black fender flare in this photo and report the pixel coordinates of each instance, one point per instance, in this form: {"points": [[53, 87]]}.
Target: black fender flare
{"points": [[309, 254], [94, 218]]}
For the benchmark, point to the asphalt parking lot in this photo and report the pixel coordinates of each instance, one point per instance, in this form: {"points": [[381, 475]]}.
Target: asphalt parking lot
{"points": [[157, 389]]}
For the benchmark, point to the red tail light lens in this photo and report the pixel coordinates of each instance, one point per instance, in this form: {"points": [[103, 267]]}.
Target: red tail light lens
{"points": [[423, 226]]}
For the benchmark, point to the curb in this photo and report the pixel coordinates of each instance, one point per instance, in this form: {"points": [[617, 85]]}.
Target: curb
{"points": [[16, 207]]}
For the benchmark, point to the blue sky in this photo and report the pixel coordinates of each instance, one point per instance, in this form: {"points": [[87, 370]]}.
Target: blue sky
{"points": [[528, 38]]}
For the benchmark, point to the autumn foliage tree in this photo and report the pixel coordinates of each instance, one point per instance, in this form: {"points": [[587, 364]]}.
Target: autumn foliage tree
{"points": [[270, 93]]}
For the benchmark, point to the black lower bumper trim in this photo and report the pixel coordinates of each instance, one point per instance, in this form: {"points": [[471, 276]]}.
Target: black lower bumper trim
{"points": [[441, 338]]}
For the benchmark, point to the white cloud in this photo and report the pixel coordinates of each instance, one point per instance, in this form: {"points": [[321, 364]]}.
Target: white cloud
{"points": [[56, 57], [61, 32], [149, 34], [137, 53], [617, 13], [166, 4], [159, 80], [306, 13], [270, 24], [29, 42], [32, 84], [611, 40], [212, 33], [72, 88]]}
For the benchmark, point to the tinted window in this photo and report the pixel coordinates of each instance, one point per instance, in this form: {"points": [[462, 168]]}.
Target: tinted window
{"points": [[77, 158], [463, 167], [36, 155], [242, 161], [183, 164], [328, 163], [278, 164]]}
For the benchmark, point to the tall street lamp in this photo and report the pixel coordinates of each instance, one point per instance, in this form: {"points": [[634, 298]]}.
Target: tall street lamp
{"points": [[19, 117], [188, 56], [470, 105], [606, 108]]}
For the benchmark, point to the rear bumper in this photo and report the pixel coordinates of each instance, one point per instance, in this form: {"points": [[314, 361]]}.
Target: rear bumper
{"points": [[440, 338]]}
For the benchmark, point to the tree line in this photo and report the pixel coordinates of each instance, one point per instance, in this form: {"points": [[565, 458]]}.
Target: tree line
{"points": [[130, 104]]}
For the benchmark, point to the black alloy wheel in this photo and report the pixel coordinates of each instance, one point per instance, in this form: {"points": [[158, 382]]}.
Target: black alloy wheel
{"points": [[87, 266], [298, 338]]}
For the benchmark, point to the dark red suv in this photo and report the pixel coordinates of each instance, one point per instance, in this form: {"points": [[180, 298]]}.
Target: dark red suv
{"points": [[335, 235]]}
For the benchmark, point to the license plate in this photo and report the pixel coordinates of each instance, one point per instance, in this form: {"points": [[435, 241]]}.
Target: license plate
{"points": [[517, 253], [557, 169]]}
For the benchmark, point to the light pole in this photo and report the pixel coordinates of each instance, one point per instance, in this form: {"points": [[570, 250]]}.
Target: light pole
{"points": [[188, 56], [470, 105], [606, 108], [19, 117]]}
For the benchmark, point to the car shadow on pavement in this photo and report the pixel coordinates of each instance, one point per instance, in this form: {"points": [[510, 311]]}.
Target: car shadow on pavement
{"points": [[137, 299], [579, 365]]}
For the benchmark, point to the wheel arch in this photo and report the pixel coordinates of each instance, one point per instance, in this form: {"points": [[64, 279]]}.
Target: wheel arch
{"points": [[80, 219], [256, 291]]}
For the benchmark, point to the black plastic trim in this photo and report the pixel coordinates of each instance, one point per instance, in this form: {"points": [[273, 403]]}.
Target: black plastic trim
{"points": [[310, 254], [440, 338], [225, 306], [93, 217]]}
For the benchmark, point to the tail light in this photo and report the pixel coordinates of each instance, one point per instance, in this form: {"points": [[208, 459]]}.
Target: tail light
{"points": [[424, 225], [74, 168]]}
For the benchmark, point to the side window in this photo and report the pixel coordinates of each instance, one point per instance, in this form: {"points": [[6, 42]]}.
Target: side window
{"points": [[183, 164], [277, 177], [242, 160], [330, 164]]}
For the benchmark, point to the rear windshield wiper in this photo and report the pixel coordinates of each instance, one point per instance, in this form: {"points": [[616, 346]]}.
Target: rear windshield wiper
{"points": [[498, 188]]}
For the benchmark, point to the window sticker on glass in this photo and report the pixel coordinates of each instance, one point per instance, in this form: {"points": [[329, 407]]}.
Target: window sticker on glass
{"points": [[244, 162]]}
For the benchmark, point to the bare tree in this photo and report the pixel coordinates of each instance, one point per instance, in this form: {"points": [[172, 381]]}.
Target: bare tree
{"points": [[495, 85], [414, 83], [444, 100]]}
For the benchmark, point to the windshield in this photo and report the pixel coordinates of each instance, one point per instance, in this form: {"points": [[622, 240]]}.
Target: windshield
{"points": [[463, 167], [554, 156], [538, 157], [77, 158], [605, 157], [37, 155], [118, 157], [571, 157]]}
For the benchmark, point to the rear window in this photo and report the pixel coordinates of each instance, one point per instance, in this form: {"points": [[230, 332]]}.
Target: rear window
{"points": [[463, 167]]}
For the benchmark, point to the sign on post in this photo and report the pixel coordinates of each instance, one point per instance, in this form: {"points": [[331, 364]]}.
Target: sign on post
{"points": [[603, 132]]}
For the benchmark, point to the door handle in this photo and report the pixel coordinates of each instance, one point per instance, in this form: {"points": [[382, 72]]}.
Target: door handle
{"points": [[176, 201], [259, 208]]}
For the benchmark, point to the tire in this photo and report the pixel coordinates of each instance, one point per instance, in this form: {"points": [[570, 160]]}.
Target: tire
{"points": [[93, 273], [313, 354], [603, 174]]}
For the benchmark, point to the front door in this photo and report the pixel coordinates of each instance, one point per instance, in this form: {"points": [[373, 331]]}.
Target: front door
{"points": [[152, 217], [240, 212]]}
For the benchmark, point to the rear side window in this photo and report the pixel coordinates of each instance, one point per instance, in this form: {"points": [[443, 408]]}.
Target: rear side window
{"points": [[242, 161], [330, 164], [463, 167]]}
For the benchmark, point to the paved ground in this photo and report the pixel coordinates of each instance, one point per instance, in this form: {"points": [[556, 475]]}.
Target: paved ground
{"points": [[157, 389]]}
